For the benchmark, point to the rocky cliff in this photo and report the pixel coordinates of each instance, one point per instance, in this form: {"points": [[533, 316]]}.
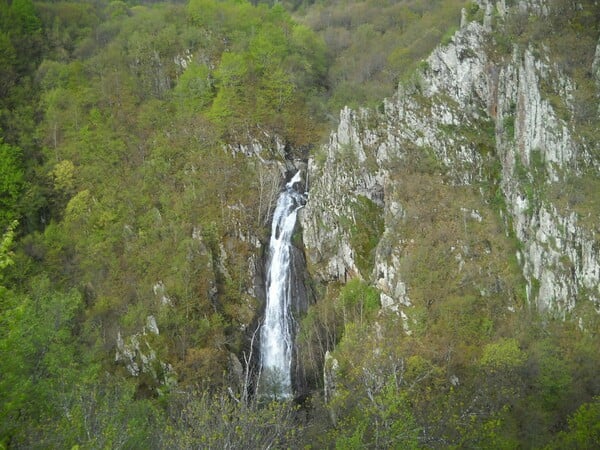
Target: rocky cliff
{"points": [[477, 165]]}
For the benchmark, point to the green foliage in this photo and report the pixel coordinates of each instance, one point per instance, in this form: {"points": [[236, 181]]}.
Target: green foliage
{"points": [[447, 37], [502, 356], [373, 45], [203, 420], [584, 428], [20, 51], [267, 71], [37, 333], [25, 14], [5, 246], [365, 232], [194, 89], [379, 395], [384, 422], [577, 193], [138, 189], [358, 301], [509, 126], [97, 414], [8, 58], [12, 182], [319, 331], [481, 135], [474, 12], [113, 119], [552, 377]]}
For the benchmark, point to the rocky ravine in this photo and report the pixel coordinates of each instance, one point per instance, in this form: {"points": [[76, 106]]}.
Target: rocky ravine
{"points": [[475, 121]]}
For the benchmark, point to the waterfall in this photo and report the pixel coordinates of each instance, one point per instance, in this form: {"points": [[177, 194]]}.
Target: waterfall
{"points": [[277, 333]]}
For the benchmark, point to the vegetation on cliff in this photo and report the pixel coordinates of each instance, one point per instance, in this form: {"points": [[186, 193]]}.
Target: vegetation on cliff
{"points": [[132, 224]]}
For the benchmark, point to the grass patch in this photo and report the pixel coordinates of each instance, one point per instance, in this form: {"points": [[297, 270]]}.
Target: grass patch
{"points": [[366, 232]]}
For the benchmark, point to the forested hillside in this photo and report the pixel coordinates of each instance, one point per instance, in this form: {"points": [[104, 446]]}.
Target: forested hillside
{"points": [[142, 149]]}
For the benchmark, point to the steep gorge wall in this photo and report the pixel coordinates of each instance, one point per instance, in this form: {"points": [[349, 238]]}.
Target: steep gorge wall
{"points": [[479, 127]]}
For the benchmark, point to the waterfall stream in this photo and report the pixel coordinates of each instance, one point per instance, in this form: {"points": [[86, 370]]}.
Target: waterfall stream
{"points": [[277, 332]]}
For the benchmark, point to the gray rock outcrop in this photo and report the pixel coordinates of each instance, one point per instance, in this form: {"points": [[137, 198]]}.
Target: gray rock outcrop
{"points": [[475, 116]]}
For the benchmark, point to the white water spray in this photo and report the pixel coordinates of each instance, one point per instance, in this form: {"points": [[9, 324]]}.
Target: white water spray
{"points": [[277, 331]]}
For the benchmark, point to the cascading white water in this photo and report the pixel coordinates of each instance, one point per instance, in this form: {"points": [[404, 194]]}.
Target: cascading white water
{"points": [[277, 330]]}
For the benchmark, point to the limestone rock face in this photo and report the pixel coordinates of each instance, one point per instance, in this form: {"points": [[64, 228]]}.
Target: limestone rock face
{"points": [[473, 118], [330, 370], [333, 187], [135, 352], [596, 65]]}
